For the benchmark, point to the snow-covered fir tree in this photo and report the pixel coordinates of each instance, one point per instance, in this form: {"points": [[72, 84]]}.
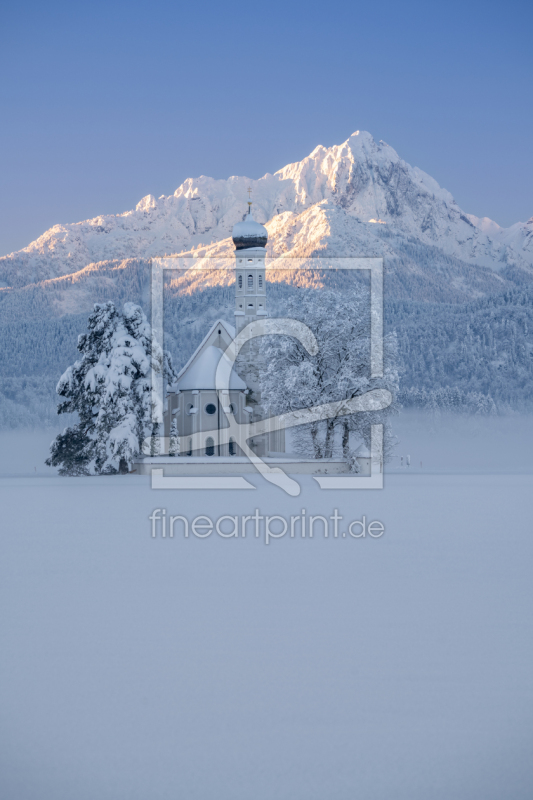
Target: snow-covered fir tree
{"points": [[435, 353], [340, 370], [174, 444], [155, 440], [448, 400], [110, 389]]}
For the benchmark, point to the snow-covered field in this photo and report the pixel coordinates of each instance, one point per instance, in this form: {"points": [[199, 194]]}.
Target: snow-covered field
{"points": [[309, 669]]}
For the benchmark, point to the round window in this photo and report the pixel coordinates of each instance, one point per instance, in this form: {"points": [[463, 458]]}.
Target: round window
{"points": [[210, 408]]}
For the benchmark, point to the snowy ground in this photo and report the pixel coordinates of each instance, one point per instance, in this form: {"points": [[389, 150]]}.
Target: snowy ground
{"points": [[460, 445], [309, 669]]}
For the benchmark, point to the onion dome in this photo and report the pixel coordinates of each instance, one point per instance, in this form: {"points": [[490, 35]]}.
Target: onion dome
{"points": [[249, 233]]}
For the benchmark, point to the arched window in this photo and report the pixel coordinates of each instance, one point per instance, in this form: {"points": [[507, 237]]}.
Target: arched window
{"points": [[232, 448], [260, 280], [209, 446], [240, 281], [189, 451], [210, 408], [231, 408], [250, 281], [189, 408]]}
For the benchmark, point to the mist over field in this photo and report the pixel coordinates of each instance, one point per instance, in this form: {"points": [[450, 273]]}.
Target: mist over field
{"points": [[309, 667]]}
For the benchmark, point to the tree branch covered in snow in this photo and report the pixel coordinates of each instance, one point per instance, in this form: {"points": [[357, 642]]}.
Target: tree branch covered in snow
{"points": [[341, 370], [109, 388]]}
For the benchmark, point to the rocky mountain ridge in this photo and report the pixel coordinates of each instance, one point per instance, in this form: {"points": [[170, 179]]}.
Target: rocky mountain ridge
{"points": [[355, 199]]}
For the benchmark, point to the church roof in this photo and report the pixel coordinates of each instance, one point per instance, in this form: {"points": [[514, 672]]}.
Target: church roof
{"points": [[202, 373], [249, 233], [220, 323]]}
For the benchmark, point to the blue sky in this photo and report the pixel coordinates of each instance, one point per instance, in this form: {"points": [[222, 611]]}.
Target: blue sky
{"points": [[103, 103]]}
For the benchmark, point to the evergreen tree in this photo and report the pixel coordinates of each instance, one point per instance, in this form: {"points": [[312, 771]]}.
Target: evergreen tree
{"points": [[155, 440], [174, 444], [110, 389]]}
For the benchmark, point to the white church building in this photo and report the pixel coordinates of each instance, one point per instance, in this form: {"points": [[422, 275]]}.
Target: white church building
{"points": [[193, 401], [200, 410]]}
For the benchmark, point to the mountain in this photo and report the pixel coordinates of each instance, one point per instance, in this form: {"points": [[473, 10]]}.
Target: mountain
{"points": [[357, 198], [458, 289]]}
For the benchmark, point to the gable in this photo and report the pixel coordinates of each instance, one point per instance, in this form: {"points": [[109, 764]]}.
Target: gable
{"points": [[220, 335], [202, 373]]}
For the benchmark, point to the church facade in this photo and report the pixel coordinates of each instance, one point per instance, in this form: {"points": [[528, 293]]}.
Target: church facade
{"points": [[193, 401]]}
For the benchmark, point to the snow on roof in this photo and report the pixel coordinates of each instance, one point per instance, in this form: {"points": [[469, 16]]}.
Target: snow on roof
{"points": [[220, 322], [230, 329], [362, 451], [202, 374], [249, 230]]}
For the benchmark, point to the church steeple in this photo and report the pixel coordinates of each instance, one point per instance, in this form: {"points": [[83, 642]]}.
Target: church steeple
{"points": [[249, 233], [250, 240]]}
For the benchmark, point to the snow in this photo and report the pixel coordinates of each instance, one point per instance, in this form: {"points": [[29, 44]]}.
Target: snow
{"points": [[202, 372], [464, 445], [148, 203], [485, 224], [249, 228], [362, 178], [397, 667], [23, 452], [218, 323], [109, 388]]}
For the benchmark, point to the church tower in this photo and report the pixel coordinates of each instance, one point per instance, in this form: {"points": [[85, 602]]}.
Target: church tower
{"points": [[250, 240]]}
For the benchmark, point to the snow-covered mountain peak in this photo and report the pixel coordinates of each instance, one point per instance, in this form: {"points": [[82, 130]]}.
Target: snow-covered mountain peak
{"points": [[362, 138], [484, 224], [363, 182], [148, 203]]}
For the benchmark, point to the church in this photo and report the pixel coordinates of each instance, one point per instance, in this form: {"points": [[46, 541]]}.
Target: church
{"points": [[193, 401]]}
